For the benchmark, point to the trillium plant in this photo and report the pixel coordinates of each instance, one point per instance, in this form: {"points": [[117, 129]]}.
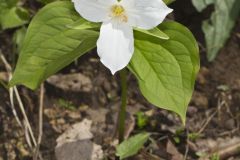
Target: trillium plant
{"points": [[130, 35], [115, 45]]}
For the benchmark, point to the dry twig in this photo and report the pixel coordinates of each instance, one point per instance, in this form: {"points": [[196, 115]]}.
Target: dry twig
{"points": [[220, 104], [27, 127], [40, 130]]}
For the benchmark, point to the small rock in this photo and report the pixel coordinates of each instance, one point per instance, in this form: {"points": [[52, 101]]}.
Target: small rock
{"points": [[59, 125], [192, 110], [200, 100], [98, 115], [49, 113], [74, 114], [79, 150], [11, 154], [22, 149], [107, 85], [133, 109], [230, 124], [202, 75], [79, 131], [76, 143], [76, 82], [236, 84]]}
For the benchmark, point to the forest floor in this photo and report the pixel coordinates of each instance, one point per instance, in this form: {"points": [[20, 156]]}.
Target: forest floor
{"points": [[85, 93]]}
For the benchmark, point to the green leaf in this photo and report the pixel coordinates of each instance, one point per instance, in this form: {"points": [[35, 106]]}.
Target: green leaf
{"points": [[82, 24], [166, 69], [142, 119], [156, 32], [8, 4], [132, 145], [202, 4], [168, 1], [50, 45], [12, 15], [46, 1], [18, 38], [218, 28]]}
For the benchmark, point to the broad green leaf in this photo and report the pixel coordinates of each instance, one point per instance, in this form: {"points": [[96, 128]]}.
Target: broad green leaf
{"points": [[50, 45], [12, 15], [132, 145], [218, 28], [166, 69], [84, 24], [156, 32]]}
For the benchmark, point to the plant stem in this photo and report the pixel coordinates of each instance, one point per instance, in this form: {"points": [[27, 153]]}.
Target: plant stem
{"points": [[122, 112]]}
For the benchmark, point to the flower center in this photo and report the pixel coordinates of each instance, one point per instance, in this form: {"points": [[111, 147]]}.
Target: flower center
{"points": [[119, 12]]}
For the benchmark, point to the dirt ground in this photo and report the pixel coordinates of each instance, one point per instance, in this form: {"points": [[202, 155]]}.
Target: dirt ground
{"points": [[88, 91]]}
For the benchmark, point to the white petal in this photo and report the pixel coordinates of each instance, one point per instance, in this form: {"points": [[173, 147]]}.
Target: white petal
{"points": [[94, 10], [115, 45], [145, 14]]}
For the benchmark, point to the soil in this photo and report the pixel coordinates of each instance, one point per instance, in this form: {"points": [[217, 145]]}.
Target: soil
{"points": [[213, 118]]}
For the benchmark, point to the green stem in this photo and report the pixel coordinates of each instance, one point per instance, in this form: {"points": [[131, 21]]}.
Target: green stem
{"points": [[122, 112]]}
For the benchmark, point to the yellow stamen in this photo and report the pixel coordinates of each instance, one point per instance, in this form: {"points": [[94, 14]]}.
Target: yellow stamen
{"points": [[117, 10]]}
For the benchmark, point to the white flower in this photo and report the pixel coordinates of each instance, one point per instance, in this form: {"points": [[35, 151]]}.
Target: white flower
{"points": [[115, 45]]}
